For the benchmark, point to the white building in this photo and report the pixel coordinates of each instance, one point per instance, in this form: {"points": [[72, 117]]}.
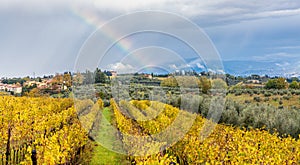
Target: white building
{"points": [[2, 87], [11, 88]]}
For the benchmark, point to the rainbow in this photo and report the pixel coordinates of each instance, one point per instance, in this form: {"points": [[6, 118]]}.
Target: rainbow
{"points": [[97, 21], [124, 45]]}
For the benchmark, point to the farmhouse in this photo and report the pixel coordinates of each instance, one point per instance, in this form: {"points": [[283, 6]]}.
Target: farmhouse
{"points": [[253, 81], [41, 85], [16, 89]]}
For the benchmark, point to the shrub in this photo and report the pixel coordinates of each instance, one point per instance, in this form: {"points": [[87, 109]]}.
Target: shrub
{"points": [[250, 92], [257, 98], [286, 97], [278, 83], [275, 92], [293, 92], [294, 85], [204, 106], [238, 93], [267, 94], [283, 120], [281, 93], [255, 91], [106, 103], [229, 116], [246, 118]]}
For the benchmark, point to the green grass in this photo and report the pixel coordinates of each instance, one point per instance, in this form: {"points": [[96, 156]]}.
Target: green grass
{"points": [[107, 114], [293, 101], [102, 155]]}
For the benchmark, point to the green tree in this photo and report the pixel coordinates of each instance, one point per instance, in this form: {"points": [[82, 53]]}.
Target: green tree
{"points": [[57, 79], [279, 83], [187, 81], [204, 84], [78, 79], [219, 84], [100, 77], [270, 84], [169, 82], [88, 77], [67, 79], [295, 79], [35, 92], [294, 85]]}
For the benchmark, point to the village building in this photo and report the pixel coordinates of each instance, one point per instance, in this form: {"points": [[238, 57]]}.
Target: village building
{"points": [[16, 89]]}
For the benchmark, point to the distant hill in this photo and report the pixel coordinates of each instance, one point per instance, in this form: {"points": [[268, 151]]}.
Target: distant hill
{"points": [[275, 68]]}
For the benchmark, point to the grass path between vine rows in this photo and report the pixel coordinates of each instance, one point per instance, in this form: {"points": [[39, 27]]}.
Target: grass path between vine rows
{"points": [[107, 135]]}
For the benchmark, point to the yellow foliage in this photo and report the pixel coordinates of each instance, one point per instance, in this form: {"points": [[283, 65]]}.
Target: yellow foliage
{"points": [[225, 145]]}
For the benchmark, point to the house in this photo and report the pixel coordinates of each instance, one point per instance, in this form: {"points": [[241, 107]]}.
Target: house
{"points": [[111, 74], [252, 81], [29, 83], [41, 85], [2, 87], [149, 76], [16, 89]]}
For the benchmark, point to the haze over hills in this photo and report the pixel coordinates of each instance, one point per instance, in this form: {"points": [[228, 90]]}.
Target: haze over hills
{"points": [[233, 67], [280, 68], [275, 68]]}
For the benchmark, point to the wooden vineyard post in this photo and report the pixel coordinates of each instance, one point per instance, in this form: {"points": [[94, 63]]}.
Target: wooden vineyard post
{"points": [[33, 157], [7, 153]]}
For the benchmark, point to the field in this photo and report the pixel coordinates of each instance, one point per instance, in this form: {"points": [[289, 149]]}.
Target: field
{"points": [[225, 144], [286, 101], [50, 127], [61, 132]]}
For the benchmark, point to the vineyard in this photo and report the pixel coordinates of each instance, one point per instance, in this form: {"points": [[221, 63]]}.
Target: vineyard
{"points": [[225, 145], [45, 127], [57, 131]]}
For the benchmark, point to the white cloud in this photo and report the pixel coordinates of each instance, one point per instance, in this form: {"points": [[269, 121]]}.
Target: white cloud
{"points": [[218, 11], [180, 66], [200, 66], [275, 56], [128, 5], [211, 70], [284, 64], [209, 12], [220, 71], [286, 47], [121, 68], [173, 66], [184, 66]]}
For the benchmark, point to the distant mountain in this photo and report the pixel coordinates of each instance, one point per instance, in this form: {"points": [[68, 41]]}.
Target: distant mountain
{"points": [[248, 67], [284, 68], [274, 68]]}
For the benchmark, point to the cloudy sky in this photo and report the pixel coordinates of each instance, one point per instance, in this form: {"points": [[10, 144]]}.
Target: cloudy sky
{"points": [[45, 37]]}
